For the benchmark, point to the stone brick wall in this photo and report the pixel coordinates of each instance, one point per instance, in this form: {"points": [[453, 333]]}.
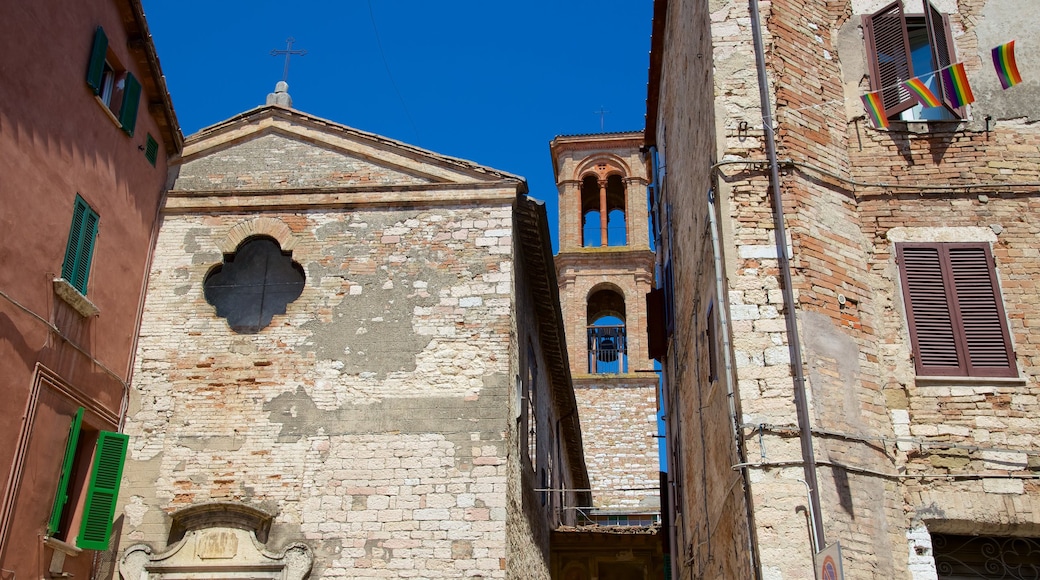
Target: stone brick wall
{"points": [[709, 515], [375, 418], [617, 409], [898, 455], [619, 425], [369, 417]]}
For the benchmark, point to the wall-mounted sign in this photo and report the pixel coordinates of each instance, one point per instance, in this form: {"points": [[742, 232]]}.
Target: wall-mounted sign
{"points": [[828, 563]]}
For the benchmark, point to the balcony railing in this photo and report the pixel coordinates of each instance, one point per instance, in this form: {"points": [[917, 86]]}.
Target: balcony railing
{"points": [[608, 349]]}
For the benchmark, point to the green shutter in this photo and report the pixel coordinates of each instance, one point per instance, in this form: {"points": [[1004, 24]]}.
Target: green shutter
{"points": [[75, 233], [96, 68], [131, 98], [105, 476], [80, 249], [62, 495], [151, 149]]}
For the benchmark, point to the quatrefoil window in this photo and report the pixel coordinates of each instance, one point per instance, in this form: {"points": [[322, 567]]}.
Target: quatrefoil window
{"points": [[254, 284]]}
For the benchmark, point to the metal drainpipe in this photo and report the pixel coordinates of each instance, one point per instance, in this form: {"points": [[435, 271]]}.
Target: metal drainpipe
{"points": [[794, 346], [720, 306]]}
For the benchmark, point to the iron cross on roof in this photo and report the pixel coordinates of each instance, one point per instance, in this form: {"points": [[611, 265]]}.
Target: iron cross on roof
{"points": [[288, 52], [602, 114]]}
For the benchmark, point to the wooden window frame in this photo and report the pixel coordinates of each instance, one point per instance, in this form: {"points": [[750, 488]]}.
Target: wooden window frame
{"points": [[955, 311], [887, 29], [79, 250], [104, 74], [107, 457]]}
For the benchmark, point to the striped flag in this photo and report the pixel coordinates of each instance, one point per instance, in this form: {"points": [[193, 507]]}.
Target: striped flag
{"points": [[1004, 62], [955, 81], [920, 91], [875, 109]]}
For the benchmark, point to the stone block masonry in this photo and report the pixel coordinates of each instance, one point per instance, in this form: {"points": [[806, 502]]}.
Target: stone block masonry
{"points": [[371, 416], [899, 456]]}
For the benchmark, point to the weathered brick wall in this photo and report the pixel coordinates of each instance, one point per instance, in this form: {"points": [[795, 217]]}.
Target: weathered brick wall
{"points": [[371, 417], [855, 345], [617, 409], [710, 538], [619, 424], [279, 162]]}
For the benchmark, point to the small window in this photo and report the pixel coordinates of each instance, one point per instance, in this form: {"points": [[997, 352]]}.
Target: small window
{"points": [[901, 47], [117, 88], [532, 406], [254, 284], [80, 248], [954, 310], [656, 327], [90, 476], [151, 149]]}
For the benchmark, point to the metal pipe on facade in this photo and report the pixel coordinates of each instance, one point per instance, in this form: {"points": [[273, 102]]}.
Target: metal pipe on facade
{"points": [[727, 357], [794, 345]]}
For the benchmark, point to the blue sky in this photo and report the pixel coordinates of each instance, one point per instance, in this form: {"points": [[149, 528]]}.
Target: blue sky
{"points": [[492, 82]]}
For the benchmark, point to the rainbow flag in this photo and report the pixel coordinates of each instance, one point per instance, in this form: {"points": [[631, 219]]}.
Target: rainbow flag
{"points": [[1004, 62], [875, 109], [955, 81], [920, 91]]}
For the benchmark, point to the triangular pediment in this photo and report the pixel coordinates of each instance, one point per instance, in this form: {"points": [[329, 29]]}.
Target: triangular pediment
{"points": [[276, 149]]}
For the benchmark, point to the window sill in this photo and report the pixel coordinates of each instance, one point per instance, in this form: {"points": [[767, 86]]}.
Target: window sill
{"points": [[970, 381], [108, 111], [70, 295], [62, 550], [926, 127], [60, 546]]}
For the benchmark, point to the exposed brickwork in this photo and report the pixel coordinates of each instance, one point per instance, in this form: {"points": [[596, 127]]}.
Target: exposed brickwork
{"points": [[618, 411], [618, 427], [850, 193], [375, 417]]}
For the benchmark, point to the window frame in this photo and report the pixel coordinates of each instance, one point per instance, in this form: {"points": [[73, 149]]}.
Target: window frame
{"points": [[79, 249], [100, 487], [531, 425], [894, 37], [104, 74], [974, 309]]}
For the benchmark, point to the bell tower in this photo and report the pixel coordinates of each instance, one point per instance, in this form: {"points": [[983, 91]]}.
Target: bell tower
{"points": [[605, 269]]}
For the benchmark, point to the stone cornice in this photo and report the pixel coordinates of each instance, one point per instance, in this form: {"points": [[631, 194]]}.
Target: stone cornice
{"points": [[427, 194], [606, 257]]}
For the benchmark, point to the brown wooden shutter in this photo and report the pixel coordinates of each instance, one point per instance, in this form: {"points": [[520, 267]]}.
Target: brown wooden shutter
{"points": [[954, 310], [928, 311], [940, 40], [888, 55], [981, 311]]}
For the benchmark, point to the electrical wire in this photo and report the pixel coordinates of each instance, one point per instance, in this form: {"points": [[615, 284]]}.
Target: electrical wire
{"points": [[916, 441], [382, 55], [763, 165]]}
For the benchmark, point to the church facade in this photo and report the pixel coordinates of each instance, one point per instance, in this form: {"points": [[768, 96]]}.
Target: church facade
{"points": [[352, 364]]}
